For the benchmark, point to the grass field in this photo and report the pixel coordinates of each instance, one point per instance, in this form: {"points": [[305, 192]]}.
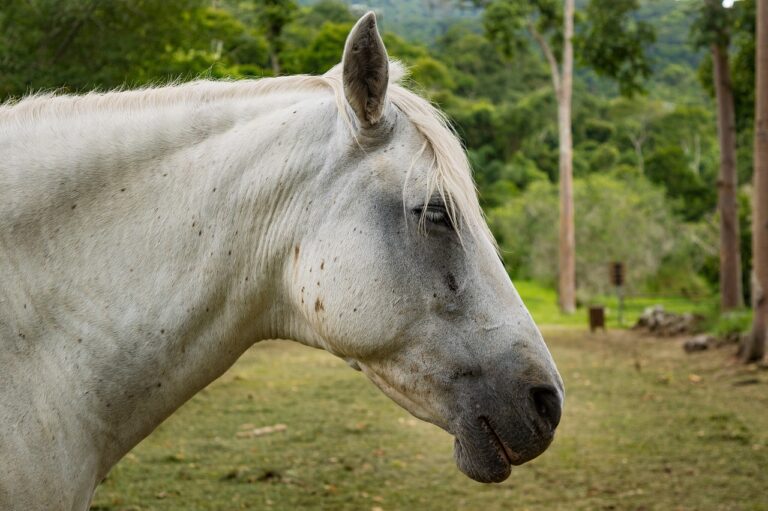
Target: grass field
{"points": [[645, 427], [542, 303]]}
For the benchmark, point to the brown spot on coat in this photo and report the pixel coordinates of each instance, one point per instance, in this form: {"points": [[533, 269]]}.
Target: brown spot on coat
{"points": [[319, 305]]}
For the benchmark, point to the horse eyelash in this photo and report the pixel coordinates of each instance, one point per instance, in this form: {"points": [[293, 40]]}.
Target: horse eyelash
{"points": [[435, 213]]}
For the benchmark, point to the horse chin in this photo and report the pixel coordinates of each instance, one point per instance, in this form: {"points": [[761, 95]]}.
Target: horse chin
{"points": [[486, 466], [486, 453]]}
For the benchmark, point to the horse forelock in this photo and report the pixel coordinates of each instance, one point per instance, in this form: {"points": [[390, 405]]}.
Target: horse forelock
{"points": [[450, 172]]}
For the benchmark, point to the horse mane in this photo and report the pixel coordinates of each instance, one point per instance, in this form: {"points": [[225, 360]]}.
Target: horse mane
{"points": [[450, 177]]}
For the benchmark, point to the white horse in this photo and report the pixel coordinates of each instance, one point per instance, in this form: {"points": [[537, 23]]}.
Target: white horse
{"points": [[148, 238]]}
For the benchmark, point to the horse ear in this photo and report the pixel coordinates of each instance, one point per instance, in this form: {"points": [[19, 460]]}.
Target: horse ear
{"points": [[365, 70]]}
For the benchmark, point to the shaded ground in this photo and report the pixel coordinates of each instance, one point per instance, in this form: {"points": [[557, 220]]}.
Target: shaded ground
{"points": [[645, 428]]}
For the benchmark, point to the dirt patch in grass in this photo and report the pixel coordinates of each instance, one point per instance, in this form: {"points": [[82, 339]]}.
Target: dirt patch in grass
{"points": [[645, 427]]}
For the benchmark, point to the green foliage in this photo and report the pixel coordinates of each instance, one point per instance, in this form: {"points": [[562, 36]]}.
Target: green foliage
{"points": [[613, 43], [609, 39], [733, 29], [273, 16], [422, 21], [667, 165], [334, 11], [475, 120], [745, 231], [743, 69], [598, 130], [506, 23], [731, 322], [541, 301], [608, 208], [83, 45], [687, 270], [604, 157], [322, 52], [432, 74], [497, 91], [712, 23], [480, 71]]}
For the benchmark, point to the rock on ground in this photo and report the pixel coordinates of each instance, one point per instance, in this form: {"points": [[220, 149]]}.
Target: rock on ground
{"points": [[655, 320]]}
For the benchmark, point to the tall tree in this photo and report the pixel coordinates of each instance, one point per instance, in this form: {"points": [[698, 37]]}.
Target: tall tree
{"points": [[273, 16], [712, 29], [564, 94], [755, 347], [611, 43]]}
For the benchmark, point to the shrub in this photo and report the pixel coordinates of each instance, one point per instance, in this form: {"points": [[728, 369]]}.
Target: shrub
{"points": [[617, 219]]}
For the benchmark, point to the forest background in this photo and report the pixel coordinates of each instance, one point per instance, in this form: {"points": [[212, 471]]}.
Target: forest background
{"points": [[645, 160]]}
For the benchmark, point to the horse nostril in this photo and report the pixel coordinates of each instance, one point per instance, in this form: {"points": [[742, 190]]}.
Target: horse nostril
{"points": [[546, 402]]}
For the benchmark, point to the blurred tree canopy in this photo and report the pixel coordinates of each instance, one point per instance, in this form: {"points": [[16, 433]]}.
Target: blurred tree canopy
{"points": [[84, 44], [609, 40], [645, 166], [611, 206]]}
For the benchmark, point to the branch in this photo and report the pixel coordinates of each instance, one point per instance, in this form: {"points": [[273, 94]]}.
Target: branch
{"points": [[547, 51]]}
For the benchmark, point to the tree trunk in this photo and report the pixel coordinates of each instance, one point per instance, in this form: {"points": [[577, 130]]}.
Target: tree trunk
{"points": [[275, 61], [567, 226], [637, 143], [755, 346], [730, 258]]}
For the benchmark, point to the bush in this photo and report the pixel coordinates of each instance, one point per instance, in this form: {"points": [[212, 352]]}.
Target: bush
{"points": [[617, 219], [732, 322]]}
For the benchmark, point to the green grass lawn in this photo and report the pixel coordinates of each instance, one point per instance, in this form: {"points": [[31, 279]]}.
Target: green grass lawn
{"points": [[645, 427], [542, 303]]}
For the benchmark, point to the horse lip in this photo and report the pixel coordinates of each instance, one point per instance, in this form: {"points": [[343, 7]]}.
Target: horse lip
{"points": [[510, 456]]}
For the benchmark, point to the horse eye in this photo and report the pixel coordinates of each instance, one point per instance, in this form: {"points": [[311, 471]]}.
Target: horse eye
{"points": [[435, 213]]}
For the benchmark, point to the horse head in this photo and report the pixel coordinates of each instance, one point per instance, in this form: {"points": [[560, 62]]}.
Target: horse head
{"points": [[399, 275]]}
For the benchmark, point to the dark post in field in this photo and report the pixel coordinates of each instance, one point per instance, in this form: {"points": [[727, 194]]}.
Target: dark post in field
{"points": [[617, 279]]}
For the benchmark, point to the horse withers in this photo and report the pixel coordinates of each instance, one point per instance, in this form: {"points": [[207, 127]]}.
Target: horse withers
{"points": [[148, 238]]}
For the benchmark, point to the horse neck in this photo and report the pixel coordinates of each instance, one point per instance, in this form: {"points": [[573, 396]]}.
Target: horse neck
{"points": [[174, 263]]}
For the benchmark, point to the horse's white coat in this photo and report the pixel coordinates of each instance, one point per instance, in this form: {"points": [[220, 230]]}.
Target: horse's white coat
{"points": [[148, 238]]}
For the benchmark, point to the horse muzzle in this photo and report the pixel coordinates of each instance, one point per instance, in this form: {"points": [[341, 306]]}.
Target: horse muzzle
{"points": [[491, 438]]}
